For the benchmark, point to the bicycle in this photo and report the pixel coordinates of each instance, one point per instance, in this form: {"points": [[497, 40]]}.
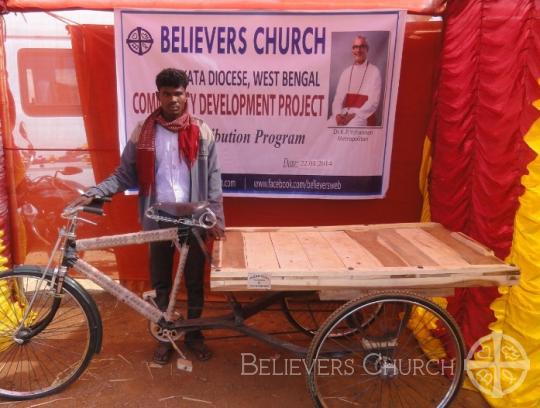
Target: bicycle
{"points": [[51, 327], [47, 310]]}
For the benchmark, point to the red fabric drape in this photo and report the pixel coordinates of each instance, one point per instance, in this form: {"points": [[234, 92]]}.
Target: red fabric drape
{"points": [[6, 128], [489, 66], [428, 7], [93, 53]]}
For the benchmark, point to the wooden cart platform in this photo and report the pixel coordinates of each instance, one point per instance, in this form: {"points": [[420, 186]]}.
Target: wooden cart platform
{"points": [[418, 255]]}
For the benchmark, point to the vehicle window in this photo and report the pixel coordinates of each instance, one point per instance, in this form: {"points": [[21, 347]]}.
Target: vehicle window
{"points": [[48, 82]]}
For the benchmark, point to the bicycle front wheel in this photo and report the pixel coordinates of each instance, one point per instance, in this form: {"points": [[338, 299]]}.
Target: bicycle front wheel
{"points": [[44, 345], [411, 355]]}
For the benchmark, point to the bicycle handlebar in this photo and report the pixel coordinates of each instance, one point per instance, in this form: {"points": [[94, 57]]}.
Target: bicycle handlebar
{"points": [[95, 207]]}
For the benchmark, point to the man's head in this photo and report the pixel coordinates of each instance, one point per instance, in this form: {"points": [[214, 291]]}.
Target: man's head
{"points": [[360, 49], [171, 84]]}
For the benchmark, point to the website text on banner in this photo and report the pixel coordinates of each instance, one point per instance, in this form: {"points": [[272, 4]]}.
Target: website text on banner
{"points": [[301, 104]]}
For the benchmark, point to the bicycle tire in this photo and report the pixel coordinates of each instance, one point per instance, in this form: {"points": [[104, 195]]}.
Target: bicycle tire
{"points": [[375, 373], [308, 313], [56, 354]]}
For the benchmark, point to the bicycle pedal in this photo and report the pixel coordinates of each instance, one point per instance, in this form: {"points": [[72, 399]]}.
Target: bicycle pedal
{"points": [[184, 365], [149, 295], [384, 344]]}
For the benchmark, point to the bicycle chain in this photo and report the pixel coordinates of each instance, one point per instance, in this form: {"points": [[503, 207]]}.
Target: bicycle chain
{"points": [[160, 218]]}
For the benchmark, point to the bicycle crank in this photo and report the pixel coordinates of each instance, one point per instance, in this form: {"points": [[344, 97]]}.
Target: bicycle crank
{"points": [[164, 335]]}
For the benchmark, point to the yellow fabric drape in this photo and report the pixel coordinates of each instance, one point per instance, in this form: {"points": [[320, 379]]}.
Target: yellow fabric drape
{"points": [[11, 312], [423, 180], [12, 303], [518, 309], [422, 324]]}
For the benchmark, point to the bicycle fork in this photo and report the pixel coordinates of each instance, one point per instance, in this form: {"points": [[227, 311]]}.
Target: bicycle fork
{"points": [[23, 333]]}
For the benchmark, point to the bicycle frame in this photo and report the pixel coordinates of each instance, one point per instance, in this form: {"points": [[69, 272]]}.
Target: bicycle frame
{"points": [[67, 247], [125, 295]]}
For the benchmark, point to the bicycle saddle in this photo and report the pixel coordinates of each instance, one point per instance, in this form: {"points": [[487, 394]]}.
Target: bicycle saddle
{"points": [[182, 209]]}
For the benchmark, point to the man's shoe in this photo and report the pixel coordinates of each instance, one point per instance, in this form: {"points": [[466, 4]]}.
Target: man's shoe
{"points": [[163, 353]]}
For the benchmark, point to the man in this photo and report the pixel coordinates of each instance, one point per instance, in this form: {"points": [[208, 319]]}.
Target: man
{"points": [[171, 157], [358, 91]]}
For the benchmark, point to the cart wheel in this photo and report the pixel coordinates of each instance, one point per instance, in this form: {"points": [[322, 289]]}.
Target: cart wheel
{"points": [[307, 313], [384, 364]]}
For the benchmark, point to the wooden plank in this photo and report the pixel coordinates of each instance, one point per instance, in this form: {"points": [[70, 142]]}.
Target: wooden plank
{"points": [[465, 251], [364, 258], [259, 251], [405, 249], [319, 252], [368, 240], [351, 253], [289, 251], [401, 225], [475, 245], [435, 249], [356, 227], [383, 272], [232, 251], [316, 283]]}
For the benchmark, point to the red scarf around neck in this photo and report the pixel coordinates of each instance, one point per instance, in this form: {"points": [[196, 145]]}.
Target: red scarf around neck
{"points": [[188, 143]]}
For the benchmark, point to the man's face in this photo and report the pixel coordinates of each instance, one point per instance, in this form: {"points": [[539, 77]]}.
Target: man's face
{"points": [[172, 101], [359, 50]]}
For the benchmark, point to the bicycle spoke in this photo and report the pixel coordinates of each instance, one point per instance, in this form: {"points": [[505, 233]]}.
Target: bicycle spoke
{"points": [[8, 357], [412, 337], [55, 344], [389, 382]]}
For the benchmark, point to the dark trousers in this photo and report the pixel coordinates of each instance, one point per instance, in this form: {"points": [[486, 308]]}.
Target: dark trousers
{"points": [[161, 277]]}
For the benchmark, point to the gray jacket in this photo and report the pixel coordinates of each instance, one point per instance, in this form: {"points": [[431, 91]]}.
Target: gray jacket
{"points": [[205, 177]]}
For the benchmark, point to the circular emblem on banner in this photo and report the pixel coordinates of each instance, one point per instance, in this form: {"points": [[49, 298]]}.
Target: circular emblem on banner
{"points": [[139, 41], [497, 364]]}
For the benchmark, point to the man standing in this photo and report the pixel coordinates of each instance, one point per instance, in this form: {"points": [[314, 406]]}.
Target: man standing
{"points": [[359, 89], [171, 157]]}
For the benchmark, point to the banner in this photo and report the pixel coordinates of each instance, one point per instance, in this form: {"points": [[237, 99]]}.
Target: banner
{"points": [[301, 104]]}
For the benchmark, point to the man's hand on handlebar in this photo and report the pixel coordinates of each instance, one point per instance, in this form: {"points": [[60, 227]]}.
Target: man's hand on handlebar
{"points": [[81, 201], [89, 200]]}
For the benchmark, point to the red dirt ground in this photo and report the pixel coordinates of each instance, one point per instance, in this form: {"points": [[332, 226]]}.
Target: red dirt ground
{"points": [[122, 374]]}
